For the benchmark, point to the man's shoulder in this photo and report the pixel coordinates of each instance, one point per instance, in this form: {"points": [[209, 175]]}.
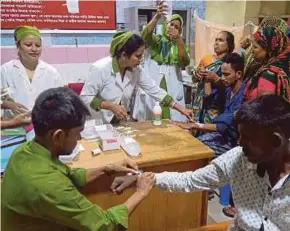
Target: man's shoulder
{"points": [[231, 158]]}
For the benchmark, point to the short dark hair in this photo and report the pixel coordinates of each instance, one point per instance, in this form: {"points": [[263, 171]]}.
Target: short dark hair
{"points": [[130, 46], [230, 40], [58, 108], [236, 61], [268, 111]]}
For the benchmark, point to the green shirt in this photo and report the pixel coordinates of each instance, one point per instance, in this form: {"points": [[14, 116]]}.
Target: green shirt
{"points": [[158, 43], [41, 193]]}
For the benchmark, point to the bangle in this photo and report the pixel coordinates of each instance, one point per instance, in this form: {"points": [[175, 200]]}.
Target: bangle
{"points": [[173, 104]]}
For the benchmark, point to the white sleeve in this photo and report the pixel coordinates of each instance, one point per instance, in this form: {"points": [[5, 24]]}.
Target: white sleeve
{"points": [[4, 83], [93, 85], [59, 81], [149, 86], [215, 175]]}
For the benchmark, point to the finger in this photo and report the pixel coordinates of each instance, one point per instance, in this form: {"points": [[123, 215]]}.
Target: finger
{"points": [[119, 117], [131, 164], [127, 170], [121, 188], [189, 116], [115, 184], [160, 3], [23, 110], [22, 106], [123, 110]]}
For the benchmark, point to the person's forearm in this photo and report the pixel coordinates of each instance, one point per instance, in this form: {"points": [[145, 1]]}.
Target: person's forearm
{"points": [[207, 88], [95, 173], [177, 107], [182, 55], [134, 200], [106, 105], [151, 25], [8, 124], [206, 127]]}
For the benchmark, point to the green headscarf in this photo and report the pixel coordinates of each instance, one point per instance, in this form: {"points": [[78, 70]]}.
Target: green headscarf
{"points": [[173, 17], [22, 31], [159, 43], [119, 40]]}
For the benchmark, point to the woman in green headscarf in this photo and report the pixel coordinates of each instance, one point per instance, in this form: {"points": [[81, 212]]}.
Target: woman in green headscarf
{"points": [[112, 81], [167, 54], [28, 76]]}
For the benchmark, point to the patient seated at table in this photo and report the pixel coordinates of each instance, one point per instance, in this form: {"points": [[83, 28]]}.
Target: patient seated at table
{"points": [[222, 134], [41, 193]]}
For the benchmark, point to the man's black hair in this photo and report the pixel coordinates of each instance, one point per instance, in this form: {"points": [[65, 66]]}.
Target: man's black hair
{"points": [[269, 111], [236, 61], [58, 108]]}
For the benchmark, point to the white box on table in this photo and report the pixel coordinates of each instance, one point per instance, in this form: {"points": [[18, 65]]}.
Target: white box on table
{"points": [[110, 140]]}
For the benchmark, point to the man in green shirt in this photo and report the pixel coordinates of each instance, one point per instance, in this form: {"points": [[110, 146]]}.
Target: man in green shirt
{"points": [[41, 193]]}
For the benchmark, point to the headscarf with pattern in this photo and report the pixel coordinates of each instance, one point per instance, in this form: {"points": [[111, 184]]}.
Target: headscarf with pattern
{"points": [[277, 45]]}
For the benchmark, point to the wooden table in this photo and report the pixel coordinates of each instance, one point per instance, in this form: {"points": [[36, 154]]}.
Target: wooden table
{"points": [[164, 148]]}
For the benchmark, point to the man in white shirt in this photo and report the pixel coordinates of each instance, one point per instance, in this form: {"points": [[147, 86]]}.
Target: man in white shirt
{"points": [[258, 171]]}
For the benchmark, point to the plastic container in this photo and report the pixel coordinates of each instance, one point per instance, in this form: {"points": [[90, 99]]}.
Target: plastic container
{"points": [[157, 114], [130, 146], [168, 12], [225, 192]]}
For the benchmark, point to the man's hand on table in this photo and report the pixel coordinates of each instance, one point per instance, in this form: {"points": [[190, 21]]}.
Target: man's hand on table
{"points": [[184, 125], [125, 166], [145, 182]]}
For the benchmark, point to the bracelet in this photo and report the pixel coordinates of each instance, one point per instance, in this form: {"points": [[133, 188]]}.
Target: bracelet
{"points": [[173, 104]]}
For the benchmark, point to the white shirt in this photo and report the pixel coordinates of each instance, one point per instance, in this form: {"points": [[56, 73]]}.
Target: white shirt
{"points": [[174, 87], [255, 200], [103, 83], [13, 75]]}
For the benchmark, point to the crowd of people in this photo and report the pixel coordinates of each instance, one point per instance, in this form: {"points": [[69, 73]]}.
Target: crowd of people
{"points": [[242, 112]]}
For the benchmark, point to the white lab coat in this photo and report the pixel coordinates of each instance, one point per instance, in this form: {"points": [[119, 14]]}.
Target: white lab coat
{"points": [[173, 76], [13, 75], [107, 85]]}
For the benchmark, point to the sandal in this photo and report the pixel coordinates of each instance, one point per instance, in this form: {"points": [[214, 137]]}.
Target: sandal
{"points": [[229, 211]]}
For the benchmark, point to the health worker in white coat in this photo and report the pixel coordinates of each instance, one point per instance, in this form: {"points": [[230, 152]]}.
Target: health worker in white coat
{"points": [[167, 56], [27, 76], [112, 81]]}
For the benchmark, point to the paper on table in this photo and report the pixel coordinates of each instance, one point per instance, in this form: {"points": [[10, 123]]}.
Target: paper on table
{"points": [[75, 152]]}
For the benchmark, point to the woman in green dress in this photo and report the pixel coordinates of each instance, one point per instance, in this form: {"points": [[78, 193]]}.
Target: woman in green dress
{"points": [[167, 54]]}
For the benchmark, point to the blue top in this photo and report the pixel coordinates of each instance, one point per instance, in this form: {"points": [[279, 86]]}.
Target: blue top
{"points": [[224, 121]]}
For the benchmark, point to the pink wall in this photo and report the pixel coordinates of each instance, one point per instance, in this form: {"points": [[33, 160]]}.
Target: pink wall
{"points": [[63, 55]]}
